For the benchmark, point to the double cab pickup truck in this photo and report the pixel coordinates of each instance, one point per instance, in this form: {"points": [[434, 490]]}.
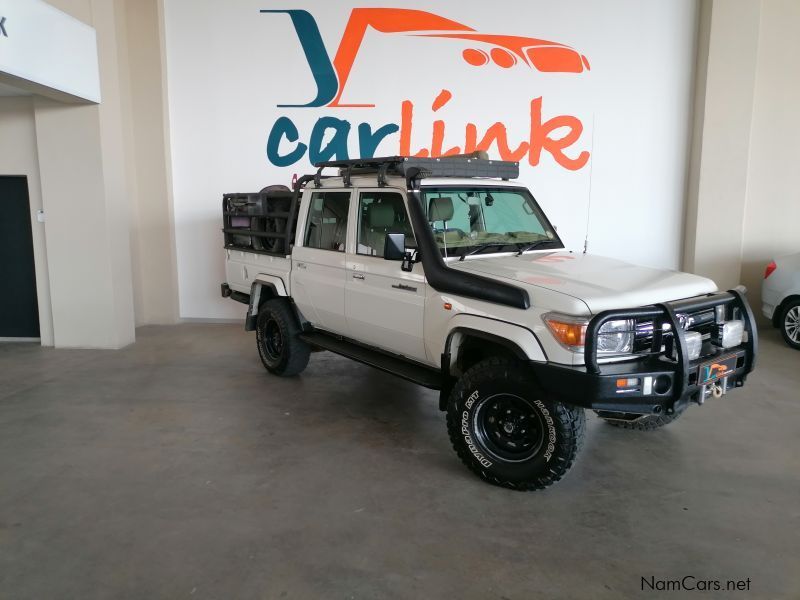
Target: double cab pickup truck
{"points": [[446, 272]]}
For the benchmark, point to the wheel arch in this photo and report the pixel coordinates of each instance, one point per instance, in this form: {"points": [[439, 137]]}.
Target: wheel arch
{"points": [[265, 287], [472, 338], [776, 315]]}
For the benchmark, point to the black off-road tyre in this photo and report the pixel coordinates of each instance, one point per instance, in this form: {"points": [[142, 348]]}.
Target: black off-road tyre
{"points": [[789, 323], [506, 430], [648, 423], [281, 350]]}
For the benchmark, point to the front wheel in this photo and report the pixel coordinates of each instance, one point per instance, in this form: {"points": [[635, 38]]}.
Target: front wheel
{"points": [[280, 348], [507, 431]]}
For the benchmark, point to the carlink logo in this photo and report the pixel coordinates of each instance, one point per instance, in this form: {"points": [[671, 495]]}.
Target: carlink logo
{"points": [[330, 134]]}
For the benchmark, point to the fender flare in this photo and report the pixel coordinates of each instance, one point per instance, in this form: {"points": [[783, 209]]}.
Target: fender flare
{"points": [[262, 282], [520, 340]]}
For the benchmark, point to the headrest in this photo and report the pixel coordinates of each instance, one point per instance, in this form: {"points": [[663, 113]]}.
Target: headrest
{"points": [[380, 215], [440, 208]]}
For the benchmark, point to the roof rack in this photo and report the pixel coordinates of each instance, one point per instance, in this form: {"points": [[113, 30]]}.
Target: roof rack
{"points": [[463, 165]]}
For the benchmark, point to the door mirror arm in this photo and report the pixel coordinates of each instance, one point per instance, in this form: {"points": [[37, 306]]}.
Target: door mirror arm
{"points": [[408, 261]]}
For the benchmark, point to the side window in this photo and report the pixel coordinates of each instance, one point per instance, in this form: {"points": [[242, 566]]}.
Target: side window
{"points": [[380, 213], [326, 227]]}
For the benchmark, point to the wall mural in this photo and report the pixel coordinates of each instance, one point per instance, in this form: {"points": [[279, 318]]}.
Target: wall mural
{"points": [[591, 98], [479, 50]]}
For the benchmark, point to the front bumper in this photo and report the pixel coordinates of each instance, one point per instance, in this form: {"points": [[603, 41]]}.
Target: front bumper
{"points": [[666, 380]]}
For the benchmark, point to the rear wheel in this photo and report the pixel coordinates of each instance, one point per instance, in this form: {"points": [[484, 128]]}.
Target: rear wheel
{"points": [[790, 324], [506, 431], [277, 337]]}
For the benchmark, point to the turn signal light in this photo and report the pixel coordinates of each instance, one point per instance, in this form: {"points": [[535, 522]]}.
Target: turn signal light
{"points": [[770, 269], [571, 334], [627, 383]]}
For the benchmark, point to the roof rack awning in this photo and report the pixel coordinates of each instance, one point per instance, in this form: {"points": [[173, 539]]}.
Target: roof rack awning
{"points": [[446, 166]]}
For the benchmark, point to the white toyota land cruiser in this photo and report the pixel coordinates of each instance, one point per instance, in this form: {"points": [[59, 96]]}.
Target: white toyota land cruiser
{"points": [[447, 273]]}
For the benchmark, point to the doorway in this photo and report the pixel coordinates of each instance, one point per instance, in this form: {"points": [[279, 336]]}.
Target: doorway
{"points": [[19, 308]]}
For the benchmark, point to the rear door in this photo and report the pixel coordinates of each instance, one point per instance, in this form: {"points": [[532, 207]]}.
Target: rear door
{"points": [[384, 304], [318, 260]]}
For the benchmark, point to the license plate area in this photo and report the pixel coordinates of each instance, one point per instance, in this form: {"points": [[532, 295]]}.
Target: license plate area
{"points": [[716, 369]]}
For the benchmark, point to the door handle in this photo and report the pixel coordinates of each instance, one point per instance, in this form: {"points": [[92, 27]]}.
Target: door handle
{"points": [[301, 265], [408, 288], [358, 276]]}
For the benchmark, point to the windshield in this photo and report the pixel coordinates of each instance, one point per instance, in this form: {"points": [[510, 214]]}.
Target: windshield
{"points": [[470, 220]]}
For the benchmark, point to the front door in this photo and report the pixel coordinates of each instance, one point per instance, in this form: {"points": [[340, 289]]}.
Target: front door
{"points": [[384, 304], [19, 310], [318, 264]]}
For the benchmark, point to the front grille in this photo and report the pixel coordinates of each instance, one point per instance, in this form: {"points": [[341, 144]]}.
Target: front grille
{"points": [[656, 326], [703, 322]]}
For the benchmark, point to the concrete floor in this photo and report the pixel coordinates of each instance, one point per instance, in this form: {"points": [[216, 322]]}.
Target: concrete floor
{"points": [[179, 468]]}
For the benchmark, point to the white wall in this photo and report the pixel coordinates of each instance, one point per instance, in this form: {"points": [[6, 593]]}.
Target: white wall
{"points": [[772, 214], [743, 202], [88, 247], [229, 66], [124, 182], [155, 285], [715, 215], [82, 169]]}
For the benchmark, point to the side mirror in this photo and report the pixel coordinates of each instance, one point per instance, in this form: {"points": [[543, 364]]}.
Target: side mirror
{"points": [[394, 248]]}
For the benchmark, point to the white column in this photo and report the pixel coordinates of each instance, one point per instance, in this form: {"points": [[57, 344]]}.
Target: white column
{"points": [[85, 197], [728, 45]]}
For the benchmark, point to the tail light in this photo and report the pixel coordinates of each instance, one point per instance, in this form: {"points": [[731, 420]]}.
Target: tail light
{"points": [[770, 268]]}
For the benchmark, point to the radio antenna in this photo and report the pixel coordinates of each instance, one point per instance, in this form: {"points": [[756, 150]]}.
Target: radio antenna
{"points": [[589, 203]]}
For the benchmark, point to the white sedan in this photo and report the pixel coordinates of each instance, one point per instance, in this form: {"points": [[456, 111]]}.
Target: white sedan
{"points": [[781, 297]]}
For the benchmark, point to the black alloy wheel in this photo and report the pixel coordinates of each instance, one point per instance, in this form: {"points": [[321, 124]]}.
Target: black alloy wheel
{"points": [[509, 427]]}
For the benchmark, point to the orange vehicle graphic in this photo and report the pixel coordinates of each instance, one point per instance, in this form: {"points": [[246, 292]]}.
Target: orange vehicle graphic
{"points": [[715, 371], [504, 51]]}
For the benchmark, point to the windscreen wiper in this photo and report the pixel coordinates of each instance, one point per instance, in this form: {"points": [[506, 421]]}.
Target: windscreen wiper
{"points": [[534, 245], [483, 247]]}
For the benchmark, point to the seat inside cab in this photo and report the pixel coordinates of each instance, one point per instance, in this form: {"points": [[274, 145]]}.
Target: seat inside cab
{"points": [[381, 213]]}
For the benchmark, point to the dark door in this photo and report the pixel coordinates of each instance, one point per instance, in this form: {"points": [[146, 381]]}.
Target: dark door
{"points": [[19, 311]]}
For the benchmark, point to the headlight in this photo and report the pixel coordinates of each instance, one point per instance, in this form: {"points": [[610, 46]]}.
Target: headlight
{"points": [[614, 337]]}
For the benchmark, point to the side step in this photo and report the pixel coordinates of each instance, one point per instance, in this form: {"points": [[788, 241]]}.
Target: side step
{"points": [[419, 374]]}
